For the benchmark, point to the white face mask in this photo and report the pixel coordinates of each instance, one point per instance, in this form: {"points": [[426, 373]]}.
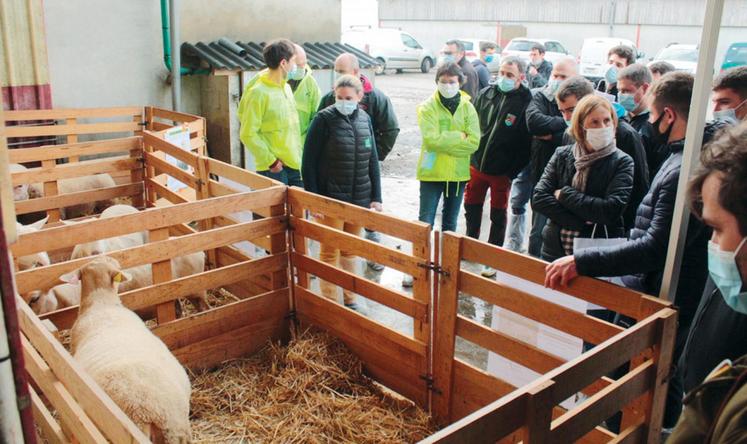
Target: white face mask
{"points": [[346, 107], [598, 138], [448, 90]]}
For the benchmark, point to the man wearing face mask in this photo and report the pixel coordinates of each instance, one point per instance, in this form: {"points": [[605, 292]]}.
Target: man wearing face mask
{"points": [[540, 69], [503, 151], [640, 260], [487, 53], [617, 58], [546, 126], [633, 83], [269, 120], [717, 195], [730, 95]]}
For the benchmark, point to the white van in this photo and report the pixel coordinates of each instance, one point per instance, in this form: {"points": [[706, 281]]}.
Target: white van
{"points": [[593, 56], [394, 49]]}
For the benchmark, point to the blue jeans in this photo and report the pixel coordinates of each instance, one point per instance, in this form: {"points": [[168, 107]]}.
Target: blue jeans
{"points": [[521, 192], [288, 176], [430, 195]]}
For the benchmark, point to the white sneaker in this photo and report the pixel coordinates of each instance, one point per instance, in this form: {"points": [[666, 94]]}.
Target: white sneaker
{"points": [[487, 272], [407, 281]]}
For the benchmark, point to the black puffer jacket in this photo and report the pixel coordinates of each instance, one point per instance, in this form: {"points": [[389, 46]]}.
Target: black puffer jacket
{"points": [[339, 158], [543, 119], [629, 142], [656, 153], [505, 139], [608, 189], [641, 260]]}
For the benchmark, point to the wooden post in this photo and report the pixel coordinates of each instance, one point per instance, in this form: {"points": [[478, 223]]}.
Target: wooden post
{"points": [[203, 192], [663, 358], [279, 244], [148, 118], [138, 176], [539, 413], [72, 138], [50, 189], [162, 273], [445, 315], [299, 245], [421, 288], [150, 173]]}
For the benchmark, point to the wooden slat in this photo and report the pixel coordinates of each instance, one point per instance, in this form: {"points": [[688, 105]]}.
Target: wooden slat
{"points": [[384, 223], [170, 149], [474, 389], [575, 423], [77, 169], [391, 358], [46, 277], [166, 193], [68, 236], [662, 355], [602, 293], [357, 246], [161, 166], [101, 409], [49, 427], [66, 113], [80, 128], [226, 318], [176, 116], [564, 319], [53, 152], [359, 285], [71, 414], [632, 435], [240, 175], [70, 199], [512, 349]]}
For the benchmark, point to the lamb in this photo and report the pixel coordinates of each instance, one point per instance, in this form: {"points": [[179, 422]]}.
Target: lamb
{"points": [[182, 266], [58, 297], [28, 262], [66, 186], [131, 364]]}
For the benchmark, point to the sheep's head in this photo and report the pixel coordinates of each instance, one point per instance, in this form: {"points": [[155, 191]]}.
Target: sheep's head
{"points": [[31, 261], [21, 192], [93, 248], [43, 302], [101, 273]]}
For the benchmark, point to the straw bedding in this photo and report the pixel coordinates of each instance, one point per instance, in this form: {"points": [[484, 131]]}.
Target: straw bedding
{"points": [[312, 390]]}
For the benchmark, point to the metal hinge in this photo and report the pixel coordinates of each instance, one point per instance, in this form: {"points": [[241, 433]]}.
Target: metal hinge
{"points": [[23, 402], [142, 123], [291, 315], [435, 268], [428, 378]]}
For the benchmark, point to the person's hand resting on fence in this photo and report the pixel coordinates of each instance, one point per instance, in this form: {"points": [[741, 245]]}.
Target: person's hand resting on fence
{"points": [[561, 272], [376, 206]]}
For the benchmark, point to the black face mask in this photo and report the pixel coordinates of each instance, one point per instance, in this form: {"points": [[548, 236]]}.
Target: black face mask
{"points": [[661, 138]]}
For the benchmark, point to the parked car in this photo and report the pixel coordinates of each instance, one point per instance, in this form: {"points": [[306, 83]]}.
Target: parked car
{"points": [[522, 46], [394, 49], [683, 57], [592, 59], [736, 55], [472, 52]]}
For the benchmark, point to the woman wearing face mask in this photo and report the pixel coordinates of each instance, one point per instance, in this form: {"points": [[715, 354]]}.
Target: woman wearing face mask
{"points": [[340, 161], [586, 185]]}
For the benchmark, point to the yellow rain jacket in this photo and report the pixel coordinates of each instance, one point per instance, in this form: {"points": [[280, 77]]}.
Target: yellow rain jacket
{"points": [[269, 123]]}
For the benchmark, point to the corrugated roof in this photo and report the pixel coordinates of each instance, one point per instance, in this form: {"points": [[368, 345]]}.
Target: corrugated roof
{"points": [[226, 54]]}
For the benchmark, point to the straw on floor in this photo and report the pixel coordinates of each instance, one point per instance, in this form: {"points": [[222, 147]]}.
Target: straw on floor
{"points": [[312, 390]]}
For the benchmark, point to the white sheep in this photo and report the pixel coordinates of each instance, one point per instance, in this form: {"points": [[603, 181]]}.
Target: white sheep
{"points": [[66, 186], [35, 260], [131, 364], [181, 266], [58, 297]]}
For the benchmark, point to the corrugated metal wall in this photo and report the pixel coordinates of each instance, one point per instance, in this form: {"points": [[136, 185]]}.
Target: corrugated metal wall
{"points": [[24, 71], [633, 12]]}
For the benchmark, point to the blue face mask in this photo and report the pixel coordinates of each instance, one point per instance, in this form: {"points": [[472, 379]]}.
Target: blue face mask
{"points": [[489, 58], [346, 107], [552, 86], [505, 84], [290, 71], [627, 101], [297, 74], [722, 266], [568, 122], [447, 58], [611, 75]]}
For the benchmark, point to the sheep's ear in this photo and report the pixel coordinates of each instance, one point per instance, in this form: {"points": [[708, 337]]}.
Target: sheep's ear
{"points": [[121, 277], [39, 224], [71, 278]]}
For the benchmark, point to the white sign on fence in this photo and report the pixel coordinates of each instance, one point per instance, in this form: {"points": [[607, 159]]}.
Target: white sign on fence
{"points": [[179, 136]]}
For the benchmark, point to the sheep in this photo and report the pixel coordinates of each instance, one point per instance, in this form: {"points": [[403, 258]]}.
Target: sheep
{"points": [[132, 365], [111, 244], [66, 186], [58, 297], [182, 266], [31, 261]]}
